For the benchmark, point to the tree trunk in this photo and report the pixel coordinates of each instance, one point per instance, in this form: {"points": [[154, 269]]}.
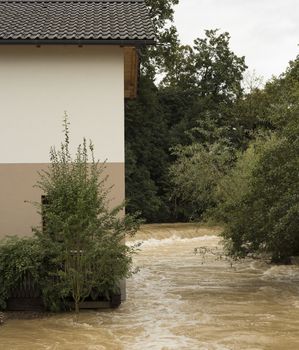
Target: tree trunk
{"points": [[77, 309]]}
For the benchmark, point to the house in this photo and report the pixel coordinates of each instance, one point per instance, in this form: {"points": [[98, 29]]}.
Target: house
{"points": [[56, 56]]}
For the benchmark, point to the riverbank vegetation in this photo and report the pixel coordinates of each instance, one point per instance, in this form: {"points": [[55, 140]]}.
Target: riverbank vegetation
{"points": [[79, 250], [205, 141]]}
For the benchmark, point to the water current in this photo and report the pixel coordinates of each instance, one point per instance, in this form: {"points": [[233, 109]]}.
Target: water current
{"points": [[177, 301]]}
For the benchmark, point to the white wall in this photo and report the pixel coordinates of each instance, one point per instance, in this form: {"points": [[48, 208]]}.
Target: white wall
{"points": [[38, 84]]}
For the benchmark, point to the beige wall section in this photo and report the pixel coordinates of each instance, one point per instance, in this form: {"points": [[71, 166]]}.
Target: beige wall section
{"points": [[16, 187], [38, 84]]}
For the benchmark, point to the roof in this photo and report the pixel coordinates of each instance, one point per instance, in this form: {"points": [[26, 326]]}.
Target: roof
{"points": [[75, 22]]}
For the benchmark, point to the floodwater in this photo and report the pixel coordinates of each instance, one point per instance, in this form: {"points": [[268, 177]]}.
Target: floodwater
{"points": [[178, 301]]}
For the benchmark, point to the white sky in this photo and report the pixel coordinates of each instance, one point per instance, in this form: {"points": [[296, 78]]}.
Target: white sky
{"points": [[266, 32]]}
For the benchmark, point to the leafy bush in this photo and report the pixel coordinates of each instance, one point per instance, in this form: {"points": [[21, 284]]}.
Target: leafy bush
{"points": [[196, 173], [18, 256], [236, 183], [265, 217], [79, 250], [86, 236]]}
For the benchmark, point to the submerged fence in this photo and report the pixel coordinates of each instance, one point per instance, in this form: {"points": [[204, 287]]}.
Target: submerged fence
{"points": [[27, 296]]}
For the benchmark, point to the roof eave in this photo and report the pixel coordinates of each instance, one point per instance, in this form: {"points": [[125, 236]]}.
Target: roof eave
{"points": [[121, 42]]}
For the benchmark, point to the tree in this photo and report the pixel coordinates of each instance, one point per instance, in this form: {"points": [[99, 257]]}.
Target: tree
{"points": [[263, 216], [209, 67], [209, 81], [155, 58], [195, 176], [193, 103], [146, 154], [147, 144], [83, 240]]}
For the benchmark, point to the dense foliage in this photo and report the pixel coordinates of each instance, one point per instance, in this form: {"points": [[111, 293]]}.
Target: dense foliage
{"points": [[255, 191], [79, 251], [200, 146], [17, 257], [192, 103], [263, 218], [195, 176]]}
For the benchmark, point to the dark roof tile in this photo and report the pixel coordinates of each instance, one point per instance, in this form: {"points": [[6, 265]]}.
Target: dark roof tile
{"points": [[64, 20]]}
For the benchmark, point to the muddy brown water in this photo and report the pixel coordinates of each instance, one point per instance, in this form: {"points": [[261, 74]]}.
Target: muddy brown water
{"points": [[176, 302]]}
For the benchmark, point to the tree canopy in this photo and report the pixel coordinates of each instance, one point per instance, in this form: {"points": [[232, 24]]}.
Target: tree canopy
{"points": [[199, 146], [186, 94]]}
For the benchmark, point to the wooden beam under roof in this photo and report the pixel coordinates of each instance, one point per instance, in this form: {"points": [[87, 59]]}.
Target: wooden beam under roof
{"points": [[131, 72]]}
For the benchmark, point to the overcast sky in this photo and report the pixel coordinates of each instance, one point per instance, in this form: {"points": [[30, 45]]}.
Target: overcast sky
{"points": [[266, 32]]}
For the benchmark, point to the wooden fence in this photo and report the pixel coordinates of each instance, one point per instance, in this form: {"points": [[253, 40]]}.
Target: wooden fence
{"points": [[26, 296]]}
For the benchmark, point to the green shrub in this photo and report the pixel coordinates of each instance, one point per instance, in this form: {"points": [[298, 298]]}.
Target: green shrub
{"points": [[18, 256], [87, 238], [236, 183], [265, 217], [196, 173], [79, 250]]}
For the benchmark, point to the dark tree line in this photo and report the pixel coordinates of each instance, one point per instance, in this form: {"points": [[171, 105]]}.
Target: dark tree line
{"points": [[193, 101], [201, 147]]}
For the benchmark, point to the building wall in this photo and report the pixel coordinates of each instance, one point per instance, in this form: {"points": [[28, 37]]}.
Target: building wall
{"points": [[18, 215], [36, 86]]}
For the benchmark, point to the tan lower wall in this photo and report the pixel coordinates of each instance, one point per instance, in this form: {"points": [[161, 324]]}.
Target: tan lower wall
{"points": [[16, 188]]}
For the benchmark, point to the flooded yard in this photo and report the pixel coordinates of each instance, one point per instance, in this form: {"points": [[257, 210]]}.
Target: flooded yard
{"points": [[176, 302]]}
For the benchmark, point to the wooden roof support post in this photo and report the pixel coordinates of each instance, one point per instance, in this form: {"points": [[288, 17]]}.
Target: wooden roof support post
{"points": [[131, 68]]}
